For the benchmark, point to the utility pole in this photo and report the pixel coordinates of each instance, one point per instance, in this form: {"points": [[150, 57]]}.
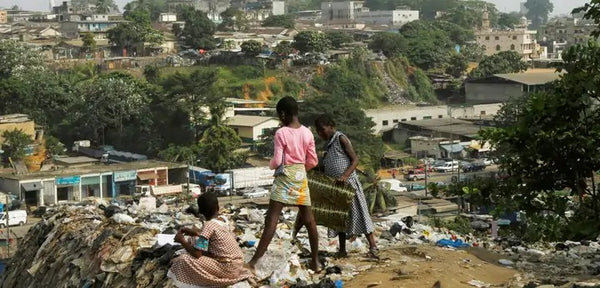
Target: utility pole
{"points": [[426, 175], [7, 228]]}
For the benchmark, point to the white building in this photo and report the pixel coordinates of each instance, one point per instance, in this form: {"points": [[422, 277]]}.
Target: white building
{"points": [[251, 128], [386, 118], [167, 17], [394, 18], [278, 7], [520, 40]]}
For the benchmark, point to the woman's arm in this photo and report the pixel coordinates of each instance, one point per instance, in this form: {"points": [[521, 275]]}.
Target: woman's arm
{"points": [[311, 156], [188, 247], [351, 154], [277, 152]]}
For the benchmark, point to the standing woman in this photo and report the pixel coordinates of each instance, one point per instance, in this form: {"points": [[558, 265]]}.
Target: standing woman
{"points": [[340, 162], [294, 155]]}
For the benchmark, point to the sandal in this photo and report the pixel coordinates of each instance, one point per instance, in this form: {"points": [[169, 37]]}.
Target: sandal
{"points": [[373, 253]]}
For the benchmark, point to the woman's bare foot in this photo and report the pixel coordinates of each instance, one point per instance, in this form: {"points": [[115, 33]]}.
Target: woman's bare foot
{"points": [[316, 267]]}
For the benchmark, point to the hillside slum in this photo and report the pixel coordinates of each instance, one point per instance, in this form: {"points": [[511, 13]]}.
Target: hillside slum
{"points": [[120, 245]]}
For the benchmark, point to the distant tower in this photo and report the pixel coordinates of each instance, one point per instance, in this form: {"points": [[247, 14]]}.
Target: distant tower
{"points": [[51, 3], [485, 23]]}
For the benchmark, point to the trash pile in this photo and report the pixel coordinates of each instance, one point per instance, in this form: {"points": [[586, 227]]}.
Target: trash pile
{"points": [[96, 244]]}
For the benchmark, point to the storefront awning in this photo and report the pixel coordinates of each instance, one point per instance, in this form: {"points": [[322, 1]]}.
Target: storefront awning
{"points": [[31, 186], [147, 175], [452, 148]]}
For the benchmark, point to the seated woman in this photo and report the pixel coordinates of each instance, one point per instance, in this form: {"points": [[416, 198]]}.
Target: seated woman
{"points": [[214, 258]]}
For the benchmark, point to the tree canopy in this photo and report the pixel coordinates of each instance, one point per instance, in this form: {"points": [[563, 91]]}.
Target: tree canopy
{"points": [[389, 43], [138, 30], [538, 11], [251, 47], [285, 21], [16, 142], [503, 62], [198, 30], [311, 41], [548, 142], [234, 20]]}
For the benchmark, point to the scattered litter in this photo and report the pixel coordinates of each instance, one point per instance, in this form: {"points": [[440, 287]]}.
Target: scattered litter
{"points": [[479, 284]]}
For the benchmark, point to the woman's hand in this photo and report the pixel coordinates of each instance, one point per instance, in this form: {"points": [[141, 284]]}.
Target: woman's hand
{"points": [[343, 178], [180, 237]]}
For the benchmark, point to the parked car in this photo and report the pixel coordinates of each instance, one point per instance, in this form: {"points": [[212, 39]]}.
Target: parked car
{"points": [[395, 185], [447, 167], [256, 192], [15, 217], [473, 166], [415, 174]]}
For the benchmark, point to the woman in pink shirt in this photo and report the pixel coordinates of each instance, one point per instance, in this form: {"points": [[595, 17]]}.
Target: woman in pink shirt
{"points": [[294, 155]]}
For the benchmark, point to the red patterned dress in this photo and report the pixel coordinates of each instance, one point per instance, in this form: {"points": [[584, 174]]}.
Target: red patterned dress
{"points": [[221, 264]]}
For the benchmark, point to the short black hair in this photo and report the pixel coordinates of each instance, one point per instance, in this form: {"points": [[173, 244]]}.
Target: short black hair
{"points": [[208, 205], [288, 107], [324, 120]]}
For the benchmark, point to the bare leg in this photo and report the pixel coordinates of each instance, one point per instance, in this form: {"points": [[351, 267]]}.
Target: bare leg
{"points": [[342, 251], [313, 236], [373, 251], [297, 225], [265, 239], [371, 239]]}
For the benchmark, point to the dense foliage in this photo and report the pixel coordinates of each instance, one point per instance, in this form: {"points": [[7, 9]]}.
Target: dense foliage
{"points": [[503, 62], [548, 142], [285, 21]]}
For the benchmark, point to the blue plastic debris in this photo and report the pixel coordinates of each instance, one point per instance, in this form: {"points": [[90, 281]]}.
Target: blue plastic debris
{"points": [[450, 243]]}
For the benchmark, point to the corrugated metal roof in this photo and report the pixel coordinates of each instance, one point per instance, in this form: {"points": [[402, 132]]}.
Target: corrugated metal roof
{"points": [[531, 79]]}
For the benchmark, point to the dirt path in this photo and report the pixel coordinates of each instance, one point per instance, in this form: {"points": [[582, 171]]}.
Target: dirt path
{"points": [[423, 266]]}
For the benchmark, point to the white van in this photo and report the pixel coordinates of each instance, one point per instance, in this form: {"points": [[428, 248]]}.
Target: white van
{"points": [[16, 217]]}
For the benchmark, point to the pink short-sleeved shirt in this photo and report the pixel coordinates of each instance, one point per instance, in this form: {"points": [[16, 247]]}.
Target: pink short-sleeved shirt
{"points": [[298, 145]]}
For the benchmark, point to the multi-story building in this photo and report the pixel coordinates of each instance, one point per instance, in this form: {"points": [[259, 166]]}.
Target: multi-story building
{"points": [[97, 24], [395, 18], [212, 8], [569, 30], [520, 40], [3, 17], [335, 12]]}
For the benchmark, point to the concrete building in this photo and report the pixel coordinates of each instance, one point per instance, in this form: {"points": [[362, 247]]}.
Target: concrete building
{"points": [[422, 147], [387, 118], [23, 32], [568, 30], [520, 40], [251, 128], [500, 88], [17, 121], [392, 18], [451, 129], [335, 12], [75, 29], [167, 17], [3, 17], [102, 181]]}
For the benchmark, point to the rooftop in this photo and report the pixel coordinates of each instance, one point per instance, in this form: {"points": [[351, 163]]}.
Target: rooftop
{"points": [[527, 78], [75, 160], [445, 125], [14, 118], [94, 169], [247, 121]]}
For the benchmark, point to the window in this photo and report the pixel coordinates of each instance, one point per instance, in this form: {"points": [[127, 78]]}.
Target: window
{"points": [[487, 37], [497, 38], [413, 118], [514, 37], [385, 123], [426, 117], [482, 112], [403, 120], [395, 121], [512, 47], [497, 47], [440, 116]]}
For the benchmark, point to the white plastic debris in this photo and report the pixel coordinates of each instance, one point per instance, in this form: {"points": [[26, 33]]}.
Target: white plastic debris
{"points": [[123, 218]]}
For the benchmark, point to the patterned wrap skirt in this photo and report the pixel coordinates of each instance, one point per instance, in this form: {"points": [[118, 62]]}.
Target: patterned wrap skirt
{"points": [[291, 188]]}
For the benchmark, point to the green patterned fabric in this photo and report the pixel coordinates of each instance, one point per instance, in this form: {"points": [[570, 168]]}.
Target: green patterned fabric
{"points": [[331, 201]]}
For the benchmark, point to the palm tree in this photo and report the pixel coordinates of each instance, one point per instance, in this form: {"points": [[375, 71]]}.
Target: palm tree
{"points": [[376, 192], [106, 6]]}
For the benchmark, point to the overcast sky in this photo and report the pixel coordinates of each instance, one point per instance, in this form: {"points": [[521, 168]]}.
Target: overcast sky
{"points": [[560, 6]]}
